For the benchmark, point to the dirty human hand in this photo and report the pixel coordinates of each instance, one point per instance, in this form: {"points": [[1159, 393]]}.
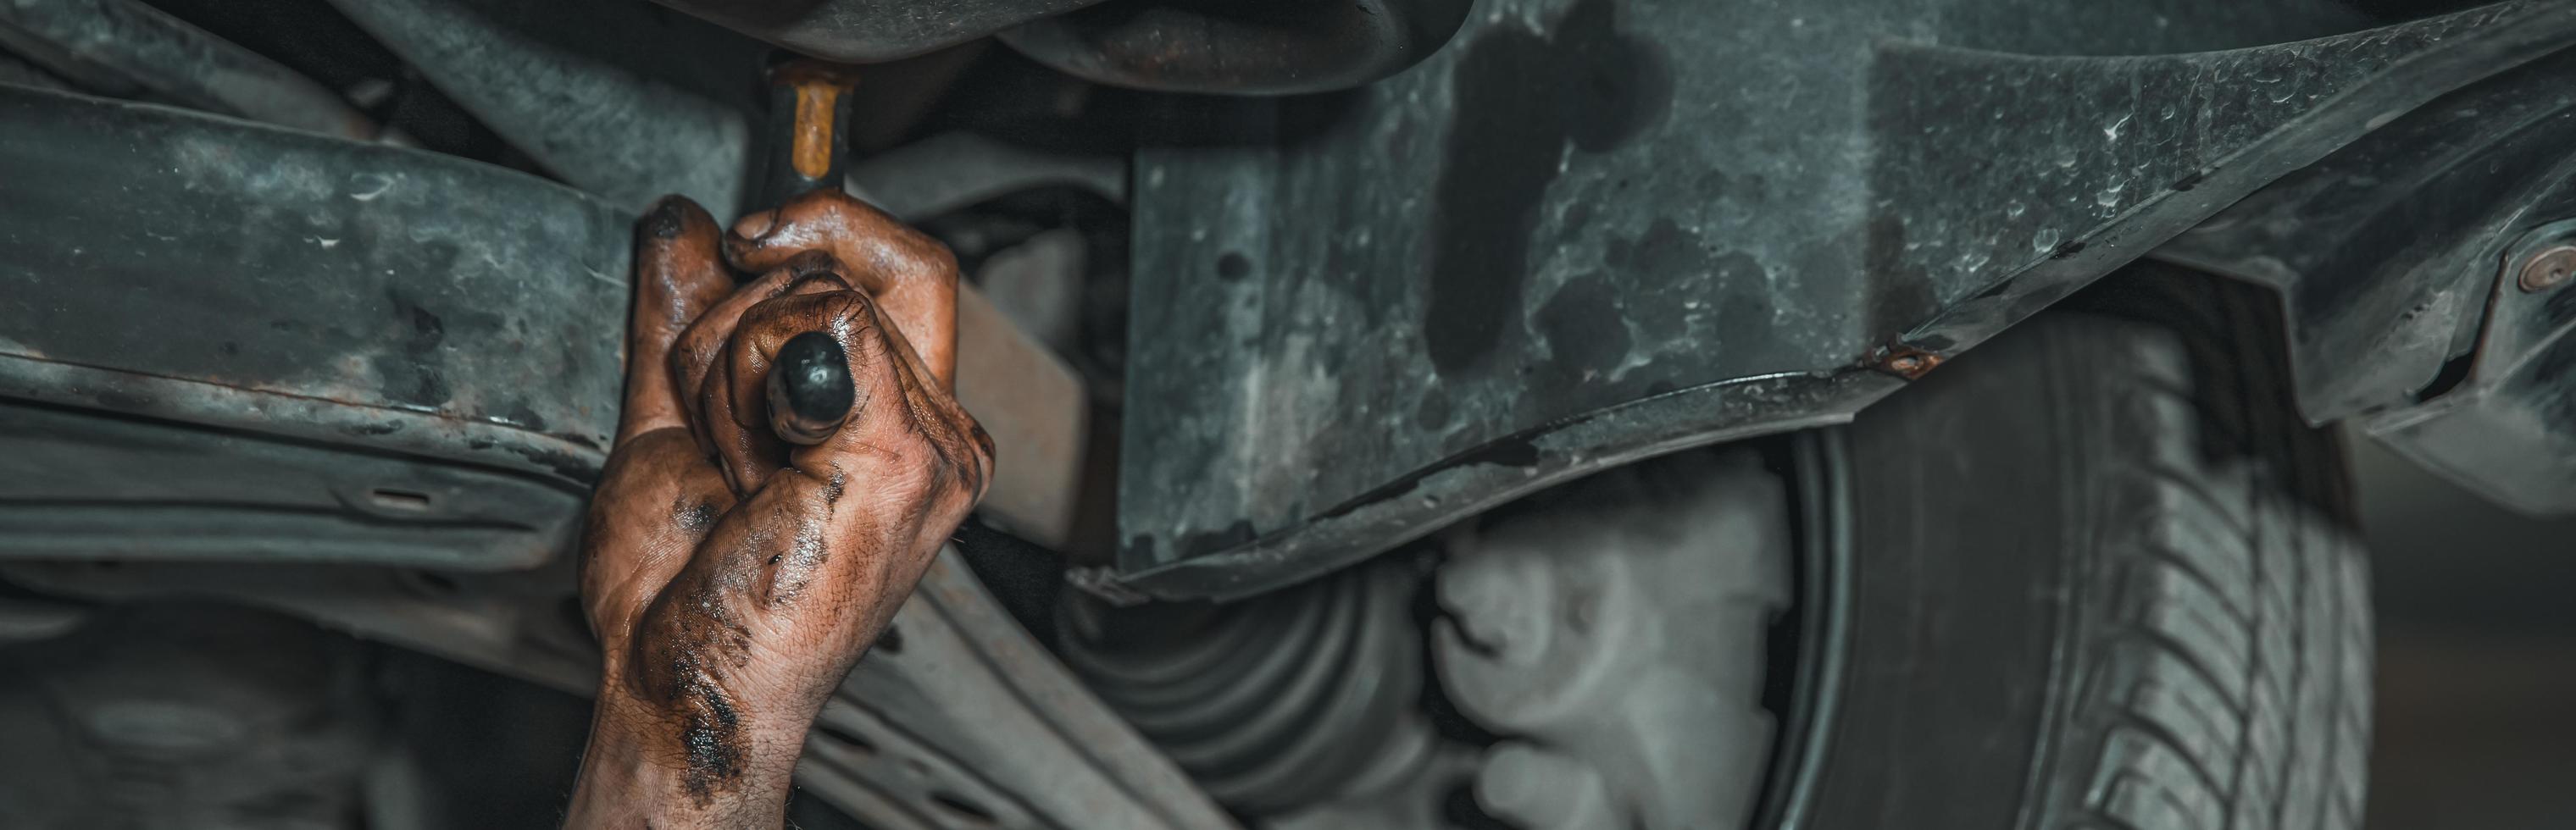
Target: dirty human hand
{"points": [[746, 542]]}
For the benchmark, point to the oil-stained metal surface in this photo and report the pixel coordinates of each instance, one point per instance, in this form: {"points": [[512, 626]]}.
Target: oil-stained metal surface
{"points": [[2385, 251], [609, 95], [128, 49], [871, 31], [1241, 48], [2404, 262], [220, 274], [75, 485], [1592, 230], [211, 272]]}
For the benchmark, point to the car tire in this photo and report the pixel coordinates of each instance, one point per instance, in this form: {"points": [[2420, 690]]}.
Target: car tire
{"points": [[2099, 575]]}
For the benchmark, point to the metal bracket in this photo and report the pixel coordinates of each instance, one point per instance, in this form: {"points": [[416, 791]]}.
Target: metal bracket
{"points": [[2503, 431]]}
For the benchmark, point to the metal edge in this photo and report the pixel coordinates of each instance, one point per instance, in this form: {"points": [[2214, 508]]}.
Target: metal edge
{"points": [[1546, 455], [1383, 519], [570, 465]]}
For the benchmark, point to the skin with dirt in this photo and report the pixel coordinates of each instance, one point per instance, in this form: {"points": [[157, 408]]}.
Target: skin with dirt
{"points": [[734, 577]]}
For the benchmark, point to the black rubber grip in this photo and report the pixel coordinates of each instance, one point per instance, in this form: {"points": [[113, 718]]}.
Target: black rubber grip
{"points": [[810, 391]]}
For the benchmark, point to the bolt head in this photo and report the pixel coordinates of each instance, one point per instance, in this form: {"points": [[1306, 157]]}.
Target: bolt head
{"points": [[2548, 269]]}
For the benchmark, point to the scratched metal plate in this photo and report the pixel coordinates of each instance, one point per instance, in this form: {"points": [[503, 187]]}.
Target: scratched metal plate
{"points": [[264, 314], [1591, 230]]}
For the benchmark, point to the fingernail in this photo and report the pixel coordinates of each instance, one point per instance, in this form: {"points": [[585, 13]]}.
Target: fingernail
{"points": [[810, 389], [756, 225]]}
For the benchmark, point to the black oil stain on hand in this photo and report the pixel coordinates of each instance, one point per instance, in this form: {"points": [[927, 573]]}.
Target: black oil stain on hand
{"points": [[1520, 101], [833, 485], [687, 642], [714, 743], [789, 571], [695, 517]]}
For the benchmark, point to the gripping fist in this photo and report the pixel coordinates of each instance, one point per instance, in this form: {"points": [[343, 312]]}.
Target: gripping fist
{"points": [[789, 460]]}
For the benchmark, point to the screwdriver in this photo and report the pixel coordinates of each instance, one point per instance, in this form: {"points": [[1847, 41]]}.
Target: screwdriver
{"points": [[810, 390]]}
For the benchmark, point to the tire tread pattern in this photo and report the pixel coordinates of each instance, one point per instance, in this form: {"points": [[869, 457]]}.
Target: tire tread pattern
{"points": [[2227, 684]]}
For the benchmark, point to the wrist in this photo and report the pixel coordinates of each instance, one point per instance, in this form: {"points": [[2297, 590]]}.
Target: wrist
{"points": [[646, 767]]}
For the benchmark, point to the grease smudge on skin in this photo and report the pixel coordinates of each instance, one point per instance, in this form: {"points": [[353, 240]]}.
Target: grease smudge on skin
{"points": [[694, 517], [683, 669], [795, 569]]}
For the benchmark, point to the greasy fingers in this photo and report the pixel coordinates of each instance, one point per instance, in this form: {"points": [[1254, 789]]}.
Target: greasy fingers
{"points": [[657, 496], [789, 463], [787, 588], [702, 349], [899, 427], [734, 402], [907, 441], [679, 274], [912, 277], [704, 340]]}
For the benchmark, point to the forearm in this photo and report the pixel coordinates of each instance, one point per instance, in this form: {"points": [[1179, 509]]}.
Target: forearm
{"points": [[641, 772]]}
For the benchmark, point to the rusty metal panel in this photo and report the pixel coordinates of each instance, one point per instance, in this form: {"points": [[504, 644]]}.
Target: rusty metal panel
{"points": [[275, 306], [1593, 230]]}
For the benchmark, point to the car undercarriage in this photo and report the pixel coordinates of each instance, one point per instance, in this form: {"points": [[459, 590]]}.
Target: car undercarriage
{"points": [[1409, 413]]}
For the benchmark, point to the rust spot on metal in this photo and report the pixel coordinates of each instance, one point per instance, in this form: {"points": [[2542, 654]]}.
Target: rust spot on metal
{"points": [[2550, 268], [1905, 361]]}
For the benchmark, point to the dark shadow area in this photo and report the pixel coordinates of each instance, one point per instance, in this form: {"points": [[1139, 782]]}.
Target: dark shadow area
{"points": [[2477, 655]]}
